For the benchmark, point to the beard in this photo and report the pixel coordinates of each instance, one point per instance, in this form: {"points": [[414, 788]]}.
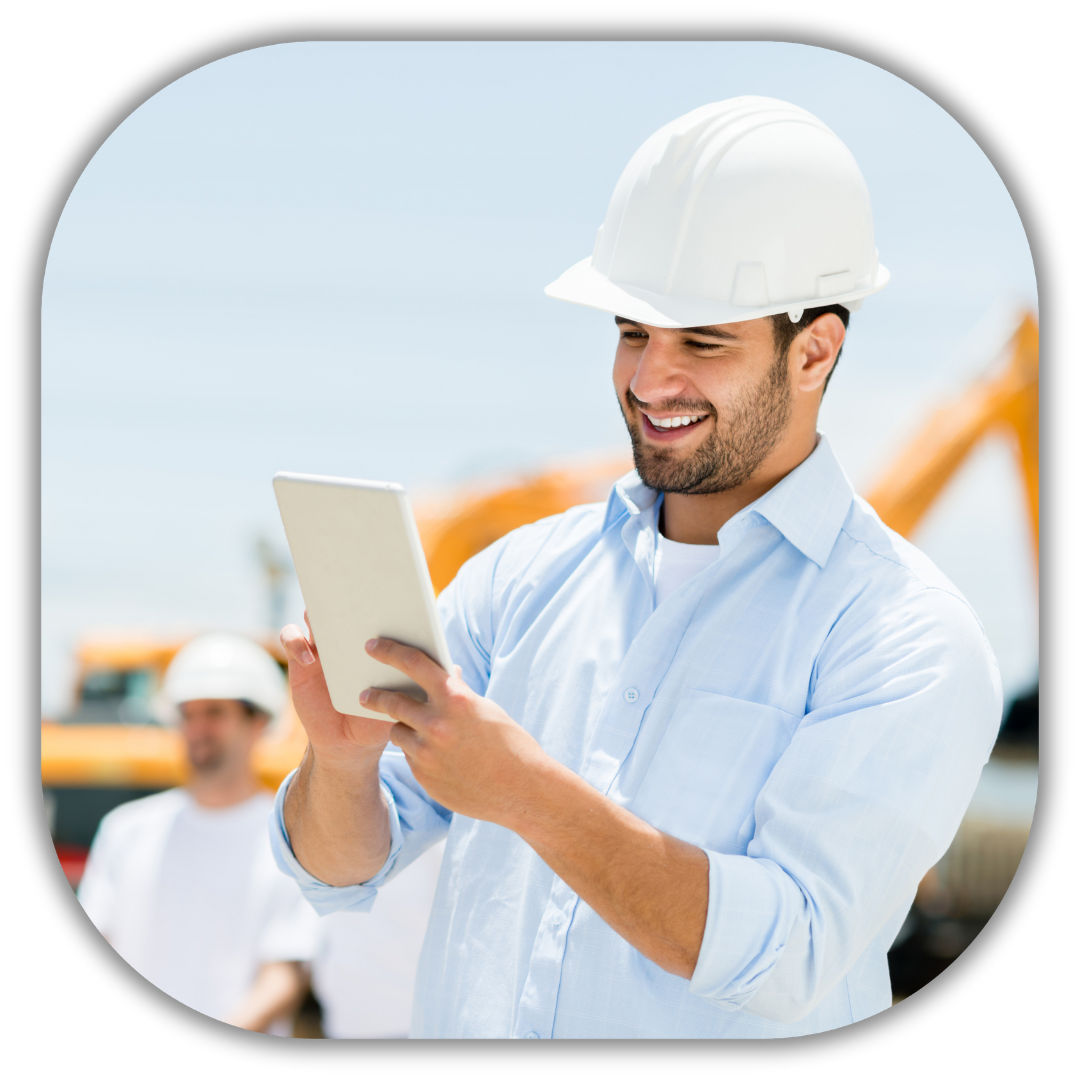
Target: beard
{"points": [[739, 442], [206, 757]]}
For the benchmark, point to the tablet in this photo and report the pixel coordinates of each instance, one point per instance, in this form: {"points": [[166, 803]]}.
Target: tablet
{"points": [[363, 574]]}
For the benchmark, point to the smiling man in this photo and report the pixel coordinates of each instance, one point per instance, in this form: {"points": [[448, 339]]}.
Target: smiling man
{"points": [[704, 740], [753, 419]]}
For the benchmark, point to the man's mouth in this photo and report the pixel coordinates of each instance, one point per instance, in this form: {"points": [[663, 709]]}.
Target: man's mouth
{"points": [[669, 428]]}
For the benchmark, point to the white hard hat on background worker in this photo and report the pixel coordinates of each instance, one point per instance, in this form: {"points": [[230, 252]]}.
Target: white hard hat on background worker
{"points": [[740, 209], [225, 666]]}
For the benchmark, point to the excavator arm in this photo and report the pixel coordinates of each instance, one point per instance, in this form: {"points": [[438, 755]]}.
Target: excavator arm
{"points": [[1007, 403]]}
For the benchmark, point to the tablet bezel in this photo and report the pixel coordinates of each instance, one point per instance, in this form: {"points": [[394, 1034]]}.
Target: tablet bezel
{"points": [[363, 576]]}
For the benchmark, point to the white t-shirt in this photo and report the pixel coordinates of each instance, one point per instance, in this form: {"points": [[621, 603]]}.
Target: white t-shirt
{"points": [[365, 969], [191, 897], [678, 563]]}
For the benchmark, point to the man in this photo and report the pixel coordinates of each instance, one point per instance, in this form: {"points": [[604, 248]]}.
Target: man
{"points": [[703, 741], [182, 884]]}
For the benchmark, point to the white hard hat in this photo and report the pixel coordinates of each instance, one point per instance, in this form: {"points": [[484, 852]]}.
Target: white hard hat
{"points": [[225, 666], [741, 209]]}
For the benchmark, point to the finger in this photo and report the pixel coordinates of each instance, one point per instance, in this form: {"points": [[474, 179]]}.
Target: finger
{"points": [[457, 670], [405, 739], [296, 646], [410, 661], [398, 706]]}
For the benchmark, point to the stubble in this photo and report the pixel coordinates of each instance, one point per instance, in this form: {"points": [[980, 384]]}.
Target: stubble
{"points": [[740, 439]]}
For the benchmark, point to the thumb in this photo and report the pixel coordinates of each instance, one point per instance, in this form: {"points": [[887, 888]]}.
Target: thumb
{"points": [[296, 645]]}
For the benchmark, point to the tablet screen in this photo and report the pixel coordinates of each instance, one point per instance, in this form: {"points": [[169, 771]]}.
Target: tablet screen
{"points": [[363, 574]]}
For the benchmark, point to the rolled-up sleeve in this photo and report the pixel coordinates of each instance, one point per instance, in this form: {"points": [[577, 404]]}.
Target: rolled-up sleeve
{"points": [[901, 718], [324, 898]]}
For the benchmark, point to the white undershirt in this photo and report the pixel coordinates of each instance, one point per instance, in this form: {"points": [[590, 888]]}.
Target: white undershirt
{"points": [[191, 897], [677, 563]]}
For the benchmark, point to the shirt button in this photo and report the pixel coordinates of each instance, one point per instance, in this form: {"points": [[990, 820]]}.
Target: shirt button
{"points": [[631, 695], [532, 1035]]}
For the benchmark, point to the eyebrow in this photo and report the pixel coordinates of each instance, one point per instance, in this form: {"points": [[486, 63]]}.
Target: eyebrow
{"points": [[701, 331]]}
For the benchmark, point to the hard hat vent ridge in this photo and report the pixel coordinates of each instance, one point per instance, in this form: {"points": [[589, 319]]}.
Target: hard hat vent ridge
{"points": [[751, 285]]}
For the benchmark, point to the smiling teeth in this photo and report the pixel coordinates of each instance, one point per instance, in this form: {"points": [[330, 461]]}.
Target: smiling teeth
{"points": [[674, 421]]}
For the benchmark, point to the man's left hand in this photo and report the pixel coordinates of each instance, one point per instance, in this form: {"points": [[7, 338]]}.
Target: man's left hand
{"points": [[470, 756], [464, 751]]}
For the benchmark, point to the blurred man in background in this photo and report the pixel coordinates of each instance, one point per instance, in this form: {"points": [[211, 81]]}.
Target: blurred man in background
{"points": [[182, 884]]}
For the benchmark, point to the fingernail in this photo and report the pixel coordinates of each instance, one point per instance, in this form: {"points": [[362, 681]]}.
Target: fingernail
{"points": [[306, 656], [364, 695], [370, 645]]}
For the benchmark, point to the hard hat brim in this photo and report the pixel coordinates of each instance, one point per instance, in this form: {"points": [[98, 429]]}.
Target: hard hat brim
{"points": [[583, 284], [222, 667]]}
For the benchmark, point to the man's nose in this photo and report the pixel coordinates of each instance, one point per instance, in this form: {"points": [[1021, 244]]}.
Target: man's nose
{"points": [[194, 728], [659, 374]]}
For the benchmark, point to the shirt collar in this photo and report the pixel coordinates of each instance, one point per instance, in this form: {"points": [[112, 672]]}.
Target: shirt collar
{"points": [[807, 507], [629, 495]]}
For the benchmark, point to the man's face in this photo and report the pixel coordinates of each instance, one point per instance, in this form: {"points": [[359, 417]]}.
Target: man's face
{"points": [[219, 734], [723, 390]]}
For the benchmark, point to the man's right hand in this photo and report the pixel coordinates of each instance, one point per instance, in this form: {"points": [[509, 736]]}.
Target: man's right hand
{"points": [[335, 737], [335, 814]]}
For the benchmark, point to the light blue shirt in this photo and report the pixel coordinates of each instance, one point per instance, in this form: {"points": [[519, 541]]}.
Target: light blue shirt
{"points": [[813, 709]]}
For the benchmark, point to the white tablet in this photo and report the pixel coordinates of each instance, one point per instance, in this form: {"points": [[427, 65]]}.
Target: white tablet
{"points": [[363, 574]]}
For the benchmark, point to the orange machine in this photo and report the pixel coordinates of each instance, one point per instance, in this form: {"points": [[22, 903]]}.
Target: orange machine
{"points": [[82, 752], [1006, 403], [129, 758]]}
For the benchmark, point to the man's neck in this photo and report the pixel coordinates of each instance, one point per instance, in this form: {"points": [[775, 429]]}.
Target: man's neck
{"points": [[696, 519], [216, 792]]}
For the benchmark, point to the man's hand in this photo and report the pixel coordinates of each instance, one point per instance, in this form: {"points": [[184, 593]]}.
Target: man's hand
{"points": [[334, 736], [464, 751], [470, 756], [335, 814]]}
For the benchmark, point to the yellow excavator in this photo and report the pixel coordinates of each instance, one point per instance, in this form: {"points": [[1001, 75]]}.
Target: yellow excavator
{"points": [[90, 762]]}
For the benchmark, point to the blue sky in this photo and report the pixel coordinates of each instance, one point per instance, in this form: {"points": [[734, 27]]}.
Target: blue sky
{"points": [[330, 258]]}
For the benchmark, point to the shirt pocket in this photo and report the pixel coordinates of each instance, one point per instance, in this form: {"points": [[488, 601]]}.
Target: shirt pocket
{"points": [[709, 767]]}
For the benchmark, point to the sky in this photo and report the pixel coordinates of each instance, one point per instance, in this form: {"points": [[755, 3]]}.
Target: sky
{"points": [[330, 257]]}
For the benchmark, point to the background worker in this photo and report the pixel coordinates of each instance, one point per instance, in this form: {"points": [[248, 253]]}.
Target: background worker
{"points": [[182, 884], [705, 739]]}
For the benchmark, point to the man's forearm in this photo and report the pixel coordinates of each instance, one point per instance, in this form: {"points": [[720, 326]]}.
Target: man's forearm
{"points": [[649, 887], [276, 993], [470, 756], [337, 819]]}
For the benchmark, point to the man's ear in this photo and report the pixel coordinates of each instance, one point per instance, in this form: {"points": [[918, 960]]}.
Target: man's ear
{"points": [[816, 349], [259, 721]]}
